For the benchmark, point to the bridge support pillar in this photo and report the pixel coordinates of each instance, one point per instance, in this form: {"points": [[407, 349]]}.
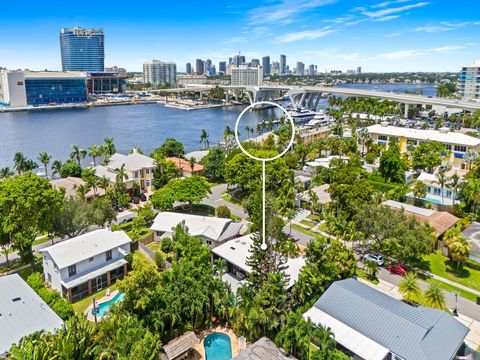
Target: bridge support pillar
{"points": [[405, 114]]}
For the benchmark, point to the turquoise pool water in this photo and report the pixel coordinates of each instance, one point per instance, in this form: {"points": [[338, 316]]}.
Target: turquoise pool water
{"points": [[217, 347], [104, 307]]}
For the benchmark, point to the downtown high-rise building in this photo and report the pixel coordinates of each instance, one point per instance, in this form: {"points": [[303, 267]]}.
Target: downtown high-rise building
{"points": [[359, 70], [222, 67], [199, 66], [159, 73], [82, 49], [188, 69], [311, 70], [238, 60], [469, 81], [255, 63], [208, 63], [300, 68], [266, 65], [283, 64], [247, 76]]}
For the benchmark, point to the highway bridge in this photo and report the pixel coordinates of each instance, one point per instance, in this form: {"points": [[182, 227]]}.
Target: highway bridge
{"points": [[308, 96]]}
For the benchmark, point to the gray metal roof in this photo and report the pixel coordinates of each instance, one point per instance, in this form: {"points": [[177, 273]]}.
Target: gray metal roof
{"points": [[24, 316], [264, 349], [413, 333], [472, 235]]}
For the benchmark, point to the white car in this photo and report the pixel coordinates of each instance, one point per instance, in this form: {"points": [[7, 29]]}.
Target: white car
{"points": [[378, 259]]}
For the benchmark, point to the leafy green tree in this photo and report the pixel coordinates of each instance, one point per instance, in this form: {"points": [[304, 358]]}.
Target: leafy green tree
{"points": [[392, 166], [214, 164], [164, 172], [459, 251], [45, 159], [70, 168], [427, 156], [223, 212], [170, 147], [27, 202], [409, 288], [163, 199]]}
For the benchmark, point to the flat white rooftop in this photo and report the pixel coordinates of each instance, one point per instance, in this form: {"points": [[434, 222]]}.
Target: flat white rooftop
{"points": [[22, 312]]}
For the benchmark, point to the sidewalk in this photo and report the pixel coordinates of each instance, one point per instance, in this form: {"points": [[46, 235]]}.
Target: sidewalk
{"points": [[473, 337]]}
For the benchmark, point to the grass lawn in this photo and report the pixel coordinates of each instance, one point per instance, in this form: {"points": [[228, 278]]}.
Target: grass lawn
{"points": [[450, 288], [303, 230], [41, 240], [314, 217], [323, 227], [82, 305], [307, 223], [363, 274], [467, 277]]}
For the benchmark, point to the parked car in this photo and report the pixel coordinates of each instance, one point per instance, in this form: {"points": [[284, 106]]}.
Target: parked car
{"points": [[143, 197], [397, 269], [377, 258], [117, 206], [135, 199]]}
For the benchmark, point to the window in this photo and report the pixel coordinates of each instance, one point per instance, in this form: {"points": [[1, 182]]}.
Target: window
{"points": [[90, 259], [147, 171], [411, 142], [448, 147], [135, 174], [72, 270], [460, 148], [382, 137], [108, 255], [147, 182], [20, 83]]}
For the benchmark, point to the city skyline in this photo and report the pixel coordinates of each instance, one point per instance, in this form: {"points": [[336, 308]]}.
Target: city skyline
{"points": [[397, 35]]}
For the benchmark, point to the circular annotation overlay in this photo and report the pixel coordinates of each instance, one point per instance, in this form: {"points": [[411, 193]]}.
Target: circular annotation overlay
{"points": [[269, 103]]}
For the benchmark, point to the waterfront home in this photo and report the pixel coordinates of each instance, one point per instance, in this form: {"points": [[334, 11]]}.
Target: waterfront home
{"points": [[22, 312], [372, 325], [472, 235], [264, 349], [440, 221], [197, 155], [83, 265], [70, 184], [212, 230], [456, 144], [236, 253], [139, 169], [185, 168]]}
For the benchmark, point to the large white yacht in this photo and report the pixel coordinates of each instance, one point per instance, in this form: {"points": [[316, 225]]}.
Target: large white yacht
{"points": [[301, 114]]}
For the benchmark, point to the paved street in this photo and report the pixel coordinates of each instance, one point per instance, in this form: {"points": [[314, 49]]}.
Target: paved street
{"points": [[215, 199], [13, 257]]}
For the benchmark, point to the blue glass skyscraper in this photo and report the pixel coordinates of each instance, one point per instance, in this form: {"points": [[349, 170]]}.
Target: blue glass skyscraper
{"points": [[82, 49]]}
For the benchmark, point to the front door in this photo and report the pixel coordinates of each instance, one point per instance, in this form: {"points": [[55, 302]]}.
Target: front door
{"points": [[99, 283]]}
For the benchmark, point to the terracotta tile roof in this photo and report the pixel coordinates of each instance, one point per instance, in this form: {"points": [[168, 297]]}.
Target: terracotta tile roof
{"points": [[441, 221], [184, 165]]}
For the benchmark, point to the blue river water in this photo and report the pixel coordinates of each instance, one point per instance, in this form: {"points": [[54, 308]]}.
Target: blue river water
{"points": [[145, 126]]}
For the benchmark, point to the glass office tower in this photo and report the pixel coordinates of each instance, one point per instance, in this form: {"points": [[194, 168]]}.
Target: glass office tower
{"points": [[82, 49]]}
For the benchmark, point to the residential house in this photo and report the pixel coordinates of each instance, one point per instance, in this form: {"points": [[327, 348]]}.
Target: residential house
{"points": [[70, 184], [322, 194], [138, 167], [81, 266], [197, 155], [264, 349], [22, 312], [314, 166], [185, 168], [304, 180], [372, 325], [211, 230], [434, 190], [440, 221], [456, 143], [236, 253], [472, 235]]}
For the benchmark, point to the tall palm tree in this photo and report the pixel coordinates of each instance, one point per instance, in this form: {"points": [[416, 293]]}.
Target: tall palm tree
{"points": [[191, 162], [454, 184], [442, 181], [77, 153], [5, 173], [434, 297], [104, 183], [95, 151], [45, 159], [56, 166], [419, 189], [121, 175], [228, 131], [459, 251], [109, 147], [19, 162], [204, 139], [247, 129], [409, 288]]}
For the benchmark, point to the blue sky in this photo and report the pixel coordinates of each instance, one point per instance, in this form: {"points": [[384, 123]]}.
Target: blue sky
{"points": [[379, 35]]}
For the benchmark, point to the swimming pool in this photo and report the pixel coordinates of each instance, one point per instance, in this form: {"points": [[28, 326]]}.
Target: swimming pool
{"points": [[104, 307], [217, 347]]}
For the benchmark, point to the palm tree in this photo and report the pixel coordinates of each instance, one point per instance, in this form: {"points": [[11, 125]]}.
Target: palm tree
{"points": [[228, 132], [56, 166], [409, 288], [454, 184], [247, 129], [120, 176], [204, 139], [434, 296], [81, 190], [419, 189], [95, 151], [459, 251], [442, 181], [19, 162], [45, 158], [109, 147], [5, 173], [104, 183], [77, 153], [191, 162]]}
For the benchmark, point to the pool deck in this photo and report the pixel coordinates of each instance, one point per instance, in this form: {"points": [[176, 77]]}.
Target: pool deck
{"points": [[88, 312], [219, 329]]}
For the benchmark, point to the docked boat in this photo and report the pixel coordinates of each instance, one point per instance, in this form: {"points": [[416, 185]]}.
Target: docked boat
{"points": [[320, 120], [301, 114]]}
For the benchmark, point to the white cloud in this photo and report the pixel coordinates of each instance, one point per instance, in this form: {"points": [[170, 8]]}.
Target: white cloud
{"points": [[305, 35], [395, 10], [284, 12], [388, 3], [443, 26], [403, 54], [236, 40], [386, 18]]}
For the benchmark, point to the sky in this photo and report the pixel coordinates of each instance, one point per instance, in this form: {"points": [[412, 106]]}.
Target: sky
{"points": [[378, 35]]}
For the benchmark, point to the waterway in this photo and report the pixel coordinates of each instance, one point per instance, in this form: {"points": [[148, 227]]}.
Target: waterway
{"points": [[144, 126]]}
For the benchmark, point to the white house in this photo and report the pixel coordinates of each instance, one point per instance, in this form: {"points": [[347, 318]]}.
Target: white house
{"points": [[22, 312], [138, 167], [236, 253], [211, 230], [88, 263]]}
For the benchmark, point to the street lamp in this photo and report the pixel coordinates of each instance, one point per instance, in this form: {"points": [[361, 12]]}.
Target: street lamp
{"points": [[455, 310]]}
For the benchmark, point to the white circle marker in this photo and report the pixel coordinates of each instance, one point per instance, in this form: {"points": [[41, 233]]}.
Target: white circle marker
{"points": [[251, 106]]}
